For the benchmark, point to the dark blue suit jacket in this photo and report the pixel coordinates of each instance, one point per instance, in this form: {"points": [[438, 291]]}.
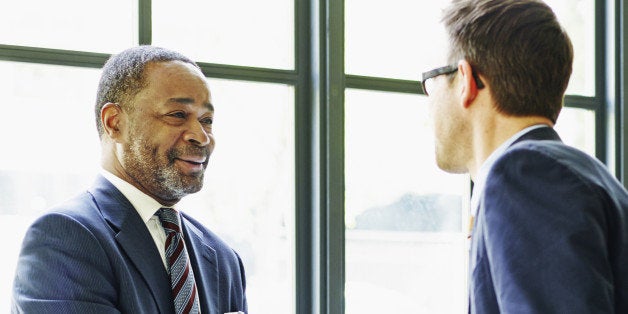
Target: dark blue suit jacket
{"points": [[551, 234], [94, 254]]}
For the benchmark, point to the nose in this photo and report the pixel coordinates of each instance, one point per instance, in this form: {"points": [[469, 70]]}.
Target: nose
{"points": [[197, 135]]}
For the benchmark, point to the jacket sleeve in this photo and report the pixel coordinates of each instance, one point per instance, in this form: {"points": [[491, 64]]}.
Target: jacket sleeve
{"points": [[546, 236], [244, 305], [62, 269]]}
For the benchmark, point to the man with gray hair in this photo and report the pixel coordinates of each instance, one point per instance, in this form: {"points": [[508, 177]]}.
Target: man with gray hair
{"points": [[124, 246]]}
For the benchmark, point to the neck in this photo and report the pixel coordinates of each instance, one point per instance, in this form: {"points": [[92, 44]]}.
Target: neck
{"points": [[488, 135]]}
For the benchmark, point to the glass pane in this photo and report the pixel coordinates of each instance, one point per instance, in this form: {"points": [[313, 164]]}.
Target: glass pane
{"points": [[241, 32], [99, 26], [578, 18], [400, 205], [401, 39], [52, 149], [577, 128], [408, 38], [248, 197]]}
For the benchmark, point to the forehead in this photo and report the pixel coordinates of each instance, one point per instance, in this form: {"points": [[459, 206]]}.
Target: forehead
{"points": [[172, 70], [176, 79]]}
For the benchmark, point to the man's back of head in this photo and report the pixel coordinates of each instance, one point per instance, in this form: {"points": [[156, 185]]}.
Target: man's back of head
{"points": [[519, 47]]}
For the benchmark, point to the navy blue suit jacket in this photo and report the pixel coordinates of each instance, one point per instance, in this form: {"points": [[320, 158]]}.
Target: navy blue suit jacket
{"points": [[551, 234], [94, 254]]}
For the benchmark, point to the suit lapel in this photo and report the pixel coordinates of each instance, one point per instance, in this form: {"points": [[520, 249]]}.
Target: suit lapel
{"points": [[136, 241], [205, 266]]}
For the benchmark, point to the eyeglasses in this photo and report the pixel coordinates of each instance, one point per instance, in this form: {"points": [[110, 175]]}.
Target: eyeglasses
{"points": [[448, 69]]}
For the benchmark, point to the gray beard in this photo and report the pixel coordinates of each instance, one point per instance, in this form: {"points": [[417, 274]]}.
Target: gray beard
{"points": [[157, 174]]}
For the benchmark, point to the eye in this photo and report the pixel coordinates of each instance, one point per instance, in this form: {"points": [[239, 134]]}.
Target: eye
{"points": [[207, 120], [178, 114]]}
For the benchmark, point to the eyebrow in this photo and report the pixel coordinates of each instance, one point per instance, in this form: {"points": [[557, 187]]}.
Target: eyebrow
{"points": [[188, 101]]}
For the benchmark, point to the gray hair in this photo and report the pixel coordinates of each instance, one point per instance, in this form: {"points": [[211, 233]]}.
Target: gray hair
{"points": [[123, 76]]}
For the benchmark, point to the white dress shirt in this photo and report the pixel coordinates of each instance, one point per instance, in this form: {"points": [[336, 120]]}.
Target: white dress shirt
{"points": [[480, 180], [146, 207]]}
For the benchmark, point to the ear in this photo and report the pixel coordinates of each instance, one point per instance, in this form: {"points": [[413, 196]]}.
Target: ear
{"points": [[111, 119], [469, 87]]}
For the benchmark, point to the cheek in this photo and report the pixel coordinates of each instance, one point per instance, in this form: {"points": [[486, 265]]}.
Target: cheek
{"points": [[212, 142], [446, 121], [155, 148], [165, 139], [436, 113]]}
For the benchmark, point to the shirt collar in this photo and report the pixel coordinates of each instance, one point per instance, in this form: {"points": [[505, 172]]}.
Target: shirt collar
{"points": [[145, 205], [480, 180]]}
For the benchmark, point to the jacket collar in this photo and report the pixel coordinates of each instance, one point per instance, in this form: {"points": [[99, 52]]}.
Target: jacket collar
{"points": [[135, 239], [539, 134]]}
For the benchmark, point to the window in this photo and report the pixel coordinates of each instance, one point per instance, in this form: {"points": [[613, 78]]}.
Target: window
{"points": [[578, 18], [51, 149], [406, 220], [241, 32], [323, 177], [103, 26], [392, 40]]}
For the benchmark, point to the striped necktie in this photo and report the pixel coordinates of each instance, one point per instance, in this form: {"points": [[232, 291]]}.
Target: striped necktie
{"points": [[181, 274]]}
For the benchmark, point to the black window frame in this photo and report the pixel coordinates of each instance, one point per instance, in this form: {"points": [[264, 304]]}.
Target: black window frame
{"points": [[320, 82]]}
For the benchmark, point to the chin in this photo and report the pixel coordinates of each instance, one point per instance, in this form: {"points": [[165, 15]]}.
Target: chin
{"points": [[180, 188], [446, 166], [195, 188]]}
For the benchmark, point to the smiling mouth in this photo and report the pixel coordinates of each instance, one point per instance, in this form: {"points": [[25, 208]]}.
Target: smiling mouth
{"points": [[192, 163], [194, 167], [194, 160]]}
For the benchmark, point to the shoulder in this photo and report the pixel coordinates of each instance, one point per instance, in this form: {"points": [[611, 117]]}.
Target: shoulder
{"points": [[71, 232], [539, 175], [547, 218], [552, 160], [544, 152], [78, 221], [64, 258], [81, 210], [74, 221]]}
